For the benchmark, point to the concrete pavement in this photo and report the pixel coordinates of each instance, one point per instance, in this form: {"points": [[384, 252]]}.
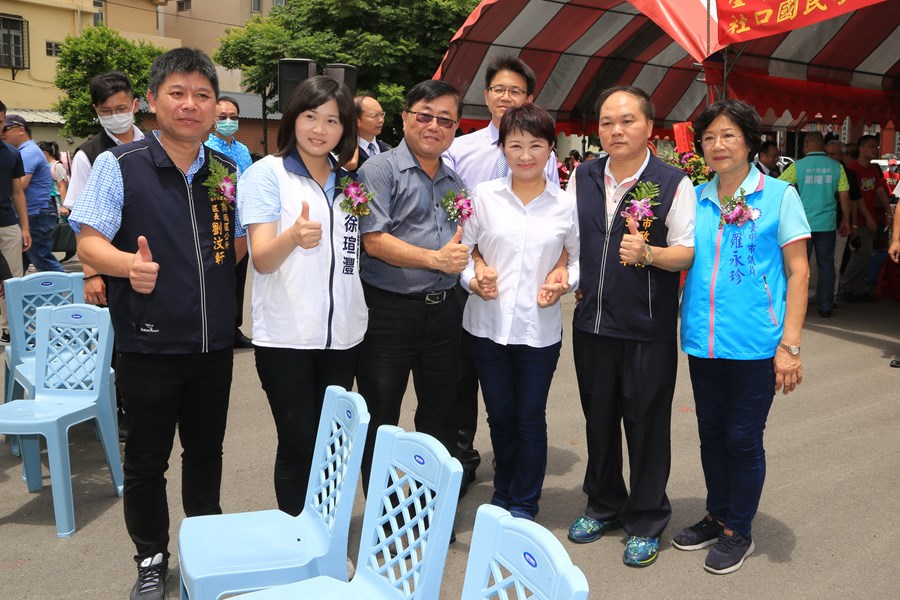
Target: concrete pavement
{"points": [[826, 527]]}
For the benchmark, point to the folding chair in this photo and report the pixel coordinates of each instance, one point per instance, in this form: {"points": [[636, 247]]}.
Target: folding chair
{"points": [[226, 554], [73, 346], [517, 558], [413, 491]]}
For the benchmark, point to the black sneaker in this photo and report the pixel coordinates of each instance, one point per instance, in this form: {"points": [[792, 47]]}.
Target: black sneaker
{"points": [[729, 553], [151, 581], [700, 535]]}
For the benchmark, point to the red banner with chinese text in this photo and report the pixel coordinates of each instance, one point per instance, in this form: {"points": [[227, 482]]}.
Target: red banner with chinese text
{"points": [[684, 137], [744, 20]]}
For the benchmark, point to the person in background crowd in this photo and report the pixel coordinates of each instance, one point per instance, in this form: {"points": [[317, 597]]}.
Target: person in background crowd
{"points": [[636, 222], [891, 176], [174, 322], [767, 159], [228, 113], [309, 313], [59, 174], [742, 314], [369, 122], [38, 185], [835, 150]]}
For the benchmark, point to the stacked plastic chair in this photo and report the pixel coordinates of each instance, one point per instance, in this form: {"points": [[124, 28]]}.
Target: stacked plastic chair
{"points": [[413, 491], [73, 346], [227, 554]]}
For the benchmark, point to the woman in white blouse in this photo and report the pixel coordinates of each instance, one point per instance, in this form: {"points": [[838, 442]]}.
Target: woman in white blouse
{"points": [[521, 224]]}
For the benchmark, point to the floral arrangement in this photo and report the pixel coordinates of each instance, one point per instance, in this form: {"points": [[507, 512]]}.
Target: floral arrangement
{"points": [[220, 184], [736, 211], [356, 197], [458, 206], [692, 164], [640, 206]]}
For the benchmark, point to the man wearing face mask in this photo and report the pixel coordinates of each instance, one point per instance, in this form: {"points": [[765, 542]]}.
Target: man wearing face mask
{"points": [[227, 121]]}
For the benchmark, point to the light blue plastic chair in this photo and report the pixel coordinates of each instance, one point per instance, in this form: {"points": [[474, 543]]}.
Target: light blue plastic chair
{"points": [[226, 554], [413, 491], [73, 346], [517, 558], [23, 296]]}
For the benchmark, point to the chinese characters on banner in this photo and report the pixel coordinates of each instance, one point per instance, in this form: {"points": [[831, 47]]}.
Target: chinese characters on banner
{"points": [[684, 137], [743, 20]]}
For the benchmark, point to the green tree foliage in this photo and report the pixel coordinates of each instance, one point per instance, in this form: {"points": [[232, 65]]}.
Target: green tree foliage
{"points": [[394, 45], [97, 50]]}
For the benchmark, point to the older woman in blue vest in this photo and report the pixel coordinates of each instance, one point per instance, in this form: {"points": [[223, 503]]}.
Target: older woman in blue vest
{"points": [[742, 314]]}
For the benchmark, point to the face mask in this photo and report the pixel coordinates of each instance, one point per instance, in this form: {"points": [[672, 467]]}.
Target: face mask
{"points": [[117, 124], [226, 128]]}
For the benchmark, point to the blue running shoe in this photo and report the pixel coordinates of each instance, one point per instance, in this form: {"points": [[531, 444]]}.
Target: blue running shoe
{"points": [[586, 529], [640, 551]]}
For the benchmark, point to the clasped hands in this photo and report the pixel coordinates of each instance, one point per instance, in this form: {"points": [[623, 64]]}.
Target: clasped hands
{"points": [[484, 284]]}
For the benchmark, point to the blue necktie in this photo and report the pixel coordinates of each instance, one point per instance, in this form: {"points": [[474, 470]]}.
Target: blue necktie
{"points": [[373, 149]]}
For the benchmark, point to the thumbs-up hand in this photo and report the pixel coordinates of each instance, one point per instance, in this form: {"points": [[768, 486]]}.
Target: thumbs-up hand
{"points": [[305, 233], [485, 282], [454, 256], [631, 250], [143, 271]]}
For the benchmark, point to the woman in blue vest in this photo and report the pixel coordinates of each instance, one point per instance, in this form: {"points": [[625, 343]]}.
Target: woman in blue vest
{"points": [[742, 314]]}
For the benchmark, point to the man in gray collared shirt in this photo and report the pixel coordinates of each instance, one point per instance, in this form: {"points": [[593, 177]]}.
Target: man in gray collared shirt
{"points": [[412, 260]]}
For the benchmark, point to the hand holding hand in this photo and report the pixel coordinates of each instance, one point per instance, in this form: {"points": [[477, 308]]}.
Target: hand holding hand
{"points": [[555, 286], [305, 233], [484, 284], [454, 256], [143, 271], [632, 248]]}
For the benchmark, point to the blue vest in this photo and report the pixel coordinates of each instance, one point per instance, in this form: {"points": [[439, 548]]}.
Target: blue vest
{"points": [[735, 295], [192, 308], [623, 301]]}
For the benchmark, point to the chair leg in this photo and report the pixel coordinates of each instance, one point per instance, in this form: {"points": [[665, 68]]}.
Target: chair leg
{"points": [[61, 482], [12, 440], [30, 448], [109, 438]]}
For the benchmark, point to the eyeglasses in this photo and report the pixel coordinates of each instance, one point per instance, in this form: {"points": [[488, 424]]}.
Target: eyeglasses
{"points": [[376, 115], [727, 139], [514, 92], [108, 112], [427, 118], [227, 117], [8, 127]]}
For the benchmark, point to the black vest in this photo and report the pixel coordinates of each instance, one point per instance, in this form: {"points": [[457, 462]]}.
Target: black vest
{"points": [[95, 145], [192, 308], [624, 301]]}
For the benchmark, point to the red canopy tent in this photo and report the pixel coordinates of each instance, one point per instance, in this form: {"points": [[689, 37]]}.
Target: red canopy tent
{"points": [[847, 66]]}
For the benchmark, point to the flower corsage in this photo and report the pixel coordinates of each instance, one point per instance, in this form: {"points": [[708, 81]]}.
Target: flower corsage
{"points": [[458, 206], [736, 211], [640, 206], [356, 197], [220, 184]]}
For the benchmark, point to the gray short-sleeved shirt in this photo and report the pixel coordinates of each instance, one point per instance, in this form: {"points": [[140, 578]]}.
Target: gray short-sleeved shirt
{"points": [[407, 204]]}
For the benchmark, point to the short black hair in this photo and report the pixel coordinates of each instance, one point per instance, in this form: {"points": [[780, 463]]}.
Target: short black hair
{"points": [[815, 138], [104, 85], [865, 138], [528, 118], [51, 148], [430, 89], [741, 113], [643, 97], [182, 60], [232, 100], [313, 93], [764, 147], [508, 62]]}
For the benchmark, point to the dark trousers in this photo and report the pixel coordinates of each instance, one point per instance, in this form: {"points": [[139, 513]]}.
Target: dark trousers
{"points": [[161, 393], [467, 397], [625, 381], [240, 280], [409, 335], [733, 399], [823, 242], [515, 381], [40, 254], [295, 382]]}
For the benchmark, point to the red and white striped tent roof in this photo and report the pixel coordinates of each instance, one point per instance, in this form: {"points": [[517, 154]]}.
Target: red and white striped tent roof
{"points": [[845, 66]]}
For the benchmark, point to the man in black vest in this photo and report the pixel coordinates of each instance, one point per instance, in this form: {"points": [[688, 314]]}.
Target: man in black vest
{"points": [[168, 245], [636, 217]]}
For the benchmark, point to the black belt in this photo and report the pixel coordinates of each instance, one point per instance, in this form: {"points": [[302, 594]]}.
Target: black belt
{"points": [[429, 298]]}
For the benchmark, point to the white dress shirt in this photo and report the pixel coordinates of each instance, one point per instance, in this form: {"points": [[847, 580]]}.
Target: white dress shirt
{"points": [[81, 169], [522, 242], [473, 156]]}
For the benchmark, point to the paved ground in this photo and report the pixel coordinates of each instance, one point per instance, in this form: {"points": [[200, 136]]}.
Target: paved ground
{"points": [[825, 528]]}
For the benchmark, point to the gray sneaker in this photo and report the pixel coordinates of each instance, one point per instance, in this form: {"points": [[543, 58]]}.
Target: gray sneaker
{"points": [[700, 535], [729, 553], [151, 581]]}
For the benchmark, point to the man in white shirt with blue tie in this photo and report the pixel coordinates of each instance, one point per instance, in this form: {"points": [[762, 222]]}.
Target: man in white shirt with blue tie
{"points": [[370, 120], [476, 157]]}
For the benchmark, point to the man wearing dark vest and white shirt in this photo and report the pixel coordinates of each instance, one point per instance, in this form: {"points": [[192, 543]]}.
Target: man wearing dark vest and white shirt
{"points": [[767, 159], [369, 121], [624, 329]]}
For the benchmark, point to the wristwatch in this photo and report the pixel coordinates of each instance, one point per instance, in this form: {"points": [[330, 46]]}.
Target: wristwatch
{"points": [[792, 350]]}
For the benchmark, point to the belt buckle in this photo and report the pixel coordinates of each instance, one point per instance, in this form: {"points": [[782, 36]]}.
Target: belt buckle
{"points": [[435, 297]]}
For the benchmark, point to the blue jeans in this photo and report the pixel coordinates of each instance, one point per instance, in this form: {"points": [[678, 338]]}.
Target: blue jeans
{"points": [[41, 252], [515, 382], [823, 242], [733, 398]]}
